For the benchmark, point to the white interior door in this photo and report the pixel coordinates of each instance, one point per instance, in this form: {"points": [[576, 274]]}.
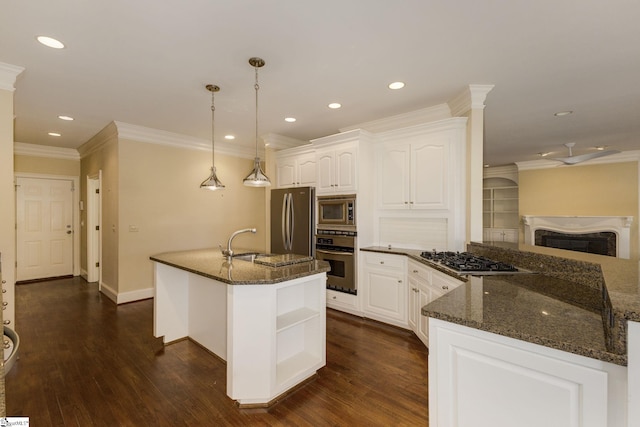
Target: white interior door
{"points": [[44, 229]]}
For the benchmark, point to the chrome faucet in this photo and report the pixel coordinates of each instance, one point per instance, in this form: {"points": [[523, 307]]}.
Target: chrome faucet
{"points": [[229, 252]]}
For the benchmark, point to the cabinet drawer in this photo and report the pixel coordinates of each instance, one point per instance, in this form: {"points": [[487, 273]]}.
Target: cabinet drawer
{"points": [[341, 298], [443, 282], [419, 272], [385, 260]]}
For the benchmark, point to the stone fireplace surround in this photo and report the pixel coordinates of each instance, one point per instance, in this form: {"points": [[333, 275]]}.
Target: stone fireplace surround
{"points": [[579, 225]]}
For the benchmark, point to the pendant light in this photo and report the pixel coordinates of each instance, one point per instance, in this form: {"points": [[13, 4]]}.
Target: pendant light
{"points": [[212, 183], [256, 178]]}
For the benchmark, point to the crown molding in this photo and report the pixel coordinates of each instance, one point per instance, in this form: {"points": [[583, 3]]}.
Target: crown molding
{"points": [[472, 97], [8, 75], [161, 137], [424, 115], [625, 156], [281, 142], [35, 150], [457, 123], [108, 134]]}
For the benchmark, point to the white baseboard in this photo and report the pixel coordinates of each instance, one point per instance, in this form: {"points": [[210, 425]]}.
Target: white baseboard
{"points": [[109, 292], [125, 297], [137, 295]]}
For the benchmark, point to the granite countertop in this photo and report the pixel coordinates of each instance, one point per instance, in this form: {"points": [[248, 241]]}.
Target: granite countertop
{"points": [[564, 306], [273, 269]]}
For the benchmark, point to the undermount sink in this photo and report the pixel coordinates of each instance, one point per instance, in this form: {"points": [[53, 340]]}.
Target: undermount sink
{"points": [[248, 256]]}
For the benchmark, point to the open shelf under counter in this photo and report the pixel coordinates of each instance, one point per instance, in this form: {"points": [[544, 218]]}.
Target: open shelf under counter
{"points": [[295, 317]]}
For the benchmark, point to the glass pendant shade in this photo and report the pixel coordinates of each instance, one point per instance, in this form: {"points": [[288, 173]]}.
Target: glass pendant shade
{"points": [[212, 182], [256, 177]]}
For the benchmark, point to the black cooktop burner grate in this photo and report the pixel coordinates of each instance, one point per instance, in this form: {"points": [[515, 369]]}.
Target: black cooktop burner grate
{"points": [[466, 262]]}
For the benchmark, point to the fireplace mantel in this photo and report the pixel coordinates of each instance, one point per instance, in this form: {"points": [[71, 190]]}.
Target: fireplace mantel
{"points": [[620, 225]]}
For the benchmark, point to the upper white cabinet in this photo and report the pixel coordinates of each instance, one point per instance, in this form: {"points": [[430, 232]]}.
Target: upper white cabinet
{"points": [[296, 170], [414, 175], [336, 171], [418, 167]]}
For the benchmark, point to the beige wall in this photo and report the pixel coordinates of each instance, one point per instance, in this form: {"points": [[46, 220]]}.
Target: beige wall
{"points": [[598, 190], [159, 195], [46, 165], [7, 203]]}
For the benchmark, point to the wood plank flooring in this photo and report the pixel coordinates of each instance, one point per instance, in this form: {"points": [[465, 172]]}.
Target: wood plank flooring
{"points": [[85, 361]]}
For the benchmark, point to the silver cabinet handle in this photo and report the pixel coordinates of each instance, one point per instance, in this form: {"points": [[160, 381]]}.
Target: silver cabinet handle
{"points": [[4, 304], [445, 287], [381, 262], [7, 322], [415, 271], [399, 281]]}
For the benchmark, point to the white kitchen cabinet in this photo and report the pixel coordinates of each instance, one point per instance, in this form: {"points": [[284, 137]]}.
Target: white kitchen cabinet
{"points": [[425, 285], [296, 171], [500, 235], [531, 385], [416, 174], [384, 288], [342, 301], [336, 169]]}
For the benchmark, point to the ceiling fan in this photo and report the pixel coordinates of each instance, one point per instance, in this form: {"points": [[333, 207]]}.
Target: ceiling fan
{"points": [[572, 160]]}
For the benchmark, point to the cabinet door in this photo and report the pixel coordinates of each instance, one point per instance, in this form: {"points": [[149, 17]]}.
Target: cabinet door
{"points": [[285, 172], [424, 297], [306, 166], [345, 169], [414, 304], [386, 294], [393, 184], [430, 174], [325, 172]]}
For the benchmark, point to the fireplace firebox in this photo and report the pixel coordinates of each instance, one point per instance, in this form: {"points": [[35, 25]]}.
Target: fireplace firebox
{"points": [[603, 243]]}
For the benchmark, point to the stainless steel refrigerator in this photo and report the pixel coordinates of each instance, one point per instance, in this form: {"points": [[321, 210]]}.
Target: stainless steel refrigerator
{"points": [[292, 221]]}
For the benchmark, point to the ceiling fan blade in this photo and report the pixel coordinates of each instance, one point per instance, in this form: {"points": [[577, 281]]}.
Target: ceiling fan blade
{"points": [[572, 160]]}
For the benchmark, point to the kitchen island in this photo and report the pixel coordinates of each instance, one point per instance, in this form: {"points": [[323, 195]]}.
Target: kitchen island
{"points": [[558, 348], [265, 318]]}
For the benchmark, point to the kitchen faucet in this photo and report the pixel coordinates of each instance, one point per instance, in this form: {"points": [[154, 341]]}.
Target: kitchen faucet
{"points": [[228, 252]]}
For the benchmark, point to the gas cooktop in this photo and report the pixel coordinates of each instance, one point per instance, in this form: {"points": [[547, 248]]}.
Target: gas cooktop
{"points": [[468, 263]]}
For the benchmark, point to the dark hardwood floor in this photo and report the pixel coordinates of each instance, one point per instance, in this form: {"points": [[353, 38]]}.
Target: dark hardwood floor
{"points": [[86, 362]]}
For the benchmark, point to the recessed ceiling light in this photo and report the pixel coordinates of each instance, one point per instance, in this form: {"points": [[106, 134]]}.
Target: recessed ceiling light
{"points": [[544, 154], [229, 137], [50, 42], [334, 105], [67, 118], [54, 134], [396, 85], [562, 113], [601, 147], [486, 166], [290, 119]]}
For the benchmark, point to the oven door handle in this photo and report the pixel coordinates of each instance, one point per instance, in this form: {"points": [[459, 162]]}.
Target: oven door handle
{"points": [[322, 251]]}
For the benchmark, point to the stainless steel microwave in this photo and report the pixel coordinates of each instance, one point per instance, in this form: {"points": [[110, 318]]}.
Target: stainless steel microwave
{"points": [[337, 211]]}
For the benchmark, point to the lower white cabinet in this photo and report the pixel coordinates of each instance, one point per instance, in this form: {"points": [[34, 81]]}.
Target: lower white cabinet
{"points": [[384, 290], [480, 379], [343, 302], [425, 285]]}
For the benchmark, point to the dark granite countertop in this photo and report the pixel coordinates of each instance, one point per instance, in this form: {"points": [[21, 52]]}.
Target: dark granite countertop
{"points": [[565, 306], [210, 263]]}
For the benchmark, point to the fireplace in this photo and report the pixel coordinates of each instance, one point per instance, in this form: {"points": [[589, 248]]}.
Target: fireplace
{"points": [[601, 235], [603, 243]]}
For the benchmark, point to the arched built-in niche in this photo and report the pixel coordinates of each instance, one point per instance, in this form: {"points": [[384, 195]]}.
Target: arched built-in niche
{"points": [[500, 210]]}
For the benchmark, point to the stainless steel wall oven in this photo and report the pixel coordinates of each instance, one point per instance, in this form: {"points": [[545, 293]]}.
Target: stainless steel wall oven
{"points": [[337, 247]]}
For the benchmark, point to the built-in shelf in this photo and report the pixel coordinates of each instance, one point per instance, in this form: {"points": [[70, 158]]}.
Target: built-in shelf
{"points": [[294, 318]]}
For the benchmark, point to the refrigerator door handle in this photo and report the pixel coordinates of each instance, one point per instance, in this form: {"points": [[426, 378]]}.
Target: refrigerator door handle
{"points": [[292, 217], [283, 228]]}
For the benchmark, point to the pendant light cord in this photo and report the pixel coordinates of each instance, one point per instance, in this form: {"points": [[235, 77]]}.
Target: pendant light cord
{"points": [[213, 137], [256, 86]]}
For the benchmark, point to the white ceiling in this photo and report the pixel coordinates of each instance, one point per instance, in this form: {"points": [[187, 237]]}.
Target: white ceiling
{"points": [[146, 62]]}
